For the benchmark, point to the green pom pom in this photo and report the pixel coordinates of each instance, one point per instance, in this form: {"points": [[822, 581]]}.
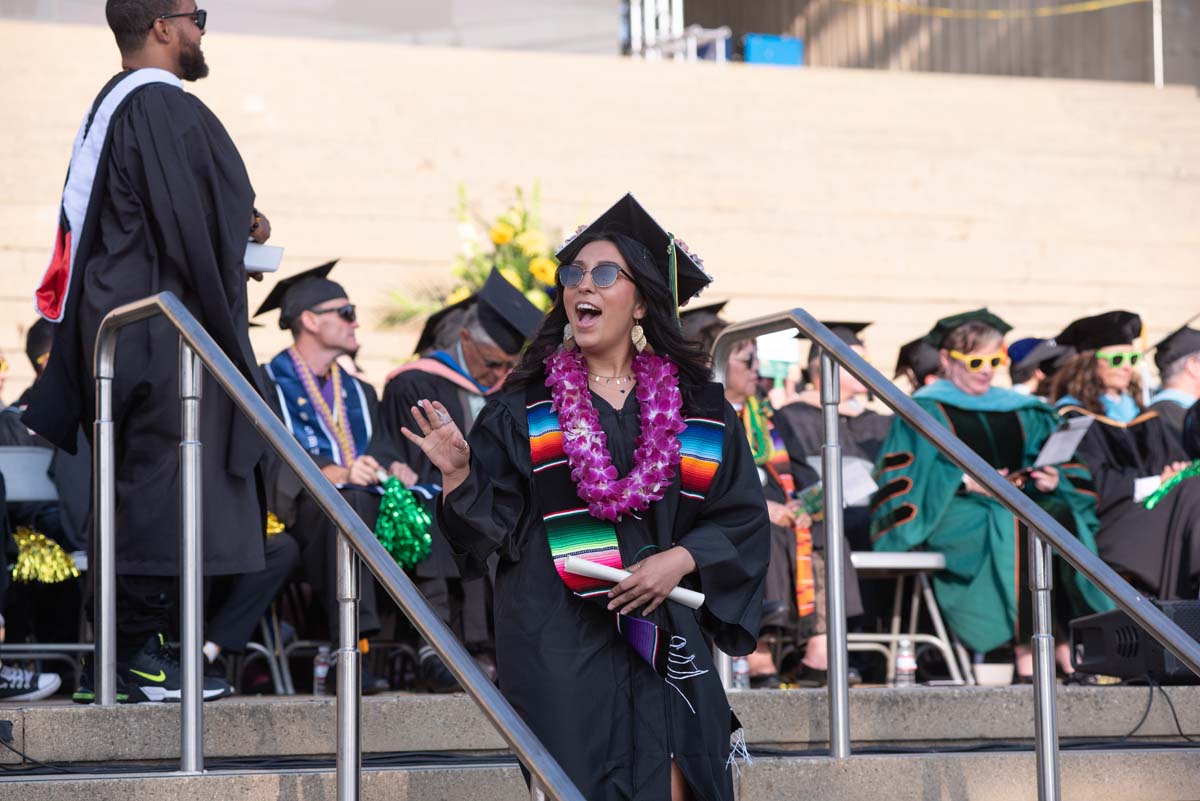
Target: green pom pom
{"points": [[1188, 472], [403, 524]]}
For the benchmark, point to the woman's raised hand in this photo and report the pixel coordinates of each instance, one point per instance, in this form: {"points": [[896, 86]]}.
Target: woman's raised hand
{"points": [[442, 442]]}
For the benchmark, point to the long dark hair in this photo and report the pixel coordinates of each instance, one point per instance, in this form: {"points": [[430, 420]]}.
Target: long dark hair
{"points": [[1078, 378], [660, 325]]}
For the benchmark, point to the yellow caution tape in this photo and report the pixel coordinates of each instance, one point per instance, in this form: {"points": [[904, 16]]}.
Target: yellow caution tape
{"points": [[945, 12]]}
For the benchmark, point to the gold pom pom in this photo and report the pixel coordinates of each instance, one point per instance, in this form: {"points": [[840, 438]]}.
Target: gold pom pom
{"points": [[274, 525], [40, 558]]}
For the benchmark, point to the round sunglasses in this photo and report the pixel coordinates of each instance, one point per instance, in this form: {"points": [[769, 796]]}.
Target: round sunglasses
{"points": [[1123, 358], [975, 364], [603, 275]]}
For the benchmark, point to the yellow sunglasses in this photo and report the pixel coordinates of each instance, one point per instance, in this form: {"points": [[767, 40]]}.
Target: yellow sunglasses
{"points": [[975, 364]]}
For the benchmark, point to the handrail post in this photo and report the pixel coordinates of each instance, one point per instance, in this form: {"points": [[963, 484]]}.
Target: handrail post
{"points": [[835, 573], [104, 618], [1041, 583], [349, 674], [191, 567]]}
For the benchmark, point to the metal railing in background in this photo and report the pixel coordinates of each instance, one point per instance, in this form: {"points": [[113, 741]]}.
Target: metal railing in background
{"points": [[1045, 533], [198, 351]]}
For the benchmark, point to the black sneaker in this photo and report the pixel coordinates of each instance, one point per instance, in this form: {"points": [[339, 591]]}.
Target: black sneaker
{"points": [[435, 676], [155, 672], [18, 684], [86, 694]]}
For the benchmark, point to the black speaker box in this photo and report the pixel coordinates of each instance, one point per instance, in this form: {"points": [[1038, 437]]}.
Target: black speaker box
{"points": [[1112, 644]]}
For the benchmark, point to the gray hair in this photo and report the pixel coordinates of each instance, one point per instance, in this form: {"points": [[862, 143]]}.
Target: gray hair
{"points": [[474, 327], [1172, 370]]}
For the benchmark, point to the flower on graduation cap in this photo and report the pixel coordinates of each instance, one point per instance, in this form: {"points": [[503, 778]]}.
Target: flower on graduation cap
{"points": [[502, 233], [542, 268]]}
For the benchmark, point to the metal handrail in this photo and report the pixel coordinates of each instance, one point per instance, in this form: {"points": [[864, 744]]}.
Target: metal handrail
{"points": [[197, 351], [1046, 533]]}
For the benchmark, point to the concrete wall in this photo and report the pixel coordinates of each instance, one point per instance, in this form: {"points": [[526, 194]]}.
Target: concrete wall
{"points": [[860, 195], [1107, 44]]}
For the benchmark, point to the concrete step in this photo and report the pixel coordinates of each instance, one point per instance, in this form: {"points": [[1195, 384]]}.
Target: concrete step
{"points": [[1129, 775], [790, 719]]}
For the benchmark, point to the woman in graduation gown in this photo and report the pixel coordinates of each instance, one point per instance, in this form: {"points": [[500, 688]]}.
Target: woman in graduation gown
{"points": [[616, 682], [1130, 453], [925, 501]]}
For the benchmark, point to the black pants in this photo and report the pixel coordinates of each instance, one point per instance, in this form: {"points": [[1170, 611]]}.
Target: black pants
{"points": [[235, 604], [317, 538]]}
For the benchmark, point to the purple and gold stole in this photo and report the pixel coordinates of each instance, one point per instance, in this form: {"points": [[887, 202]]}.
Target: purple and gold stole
{"points": [[572, 531]]}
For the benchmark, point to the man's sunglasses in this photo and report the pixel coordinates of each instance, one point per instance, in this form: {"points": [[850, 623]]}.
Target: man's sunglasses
{"points": [[199, 16], [345, 312], [603, 275], [975, 364], [1124, 358]]}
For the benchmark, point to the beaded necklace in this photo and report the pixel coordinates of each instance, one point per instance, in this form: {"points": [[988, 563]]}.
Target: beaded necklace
{"points": [[334, 419]]}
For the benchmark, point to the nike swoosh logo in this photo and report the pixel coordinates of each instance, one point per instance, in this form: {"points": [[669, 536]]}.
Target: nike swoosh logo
{"points": [[160, 676]]}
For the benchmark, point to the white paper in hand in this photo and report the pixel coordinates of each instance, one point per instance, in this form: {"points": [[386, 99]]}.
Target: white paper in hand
{"points": [[1062, 444], [262, 258]]}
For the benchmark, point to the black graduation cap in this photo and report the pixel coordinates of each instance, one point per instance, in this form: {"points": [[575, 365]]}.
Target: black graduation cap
{"points": [[504, 312], [700, 323], [629, 218], [945, 326], [1101, 330], [1183, 341], [847, 332], [299, 293], [920, 357]]}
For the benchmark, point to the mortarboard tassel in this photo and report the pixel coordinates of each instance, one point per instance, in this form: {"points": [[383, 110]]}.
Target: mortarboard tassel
{"points": [[673, 275], [40, 558], [403, 524]]}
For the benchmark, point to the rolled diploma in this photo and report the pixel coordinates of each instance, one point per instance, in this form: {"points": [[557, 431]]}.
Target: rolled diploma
{"points": [[582, 567]]}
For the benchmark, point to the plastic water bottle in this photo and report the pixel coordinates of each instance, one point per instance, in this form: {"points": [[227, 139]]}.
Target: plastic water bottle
{"points": [[320, 669], [741, 673], [906, 664]]}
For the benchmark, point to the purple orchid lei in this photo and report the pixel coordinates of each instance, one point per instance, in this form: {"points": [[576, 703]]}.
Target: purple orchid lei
{"points": [[656, 452]]}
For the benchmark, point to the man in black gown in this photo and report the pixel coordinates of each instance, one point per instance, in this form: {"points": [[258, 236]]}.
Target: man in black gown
{"points": [[496, 323], [157, 200], [1178, 360]]}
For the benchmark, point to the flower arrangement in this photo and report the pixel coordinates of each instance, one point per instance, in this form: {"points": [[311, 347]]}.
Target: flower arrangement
{"points": [[514, 243]]}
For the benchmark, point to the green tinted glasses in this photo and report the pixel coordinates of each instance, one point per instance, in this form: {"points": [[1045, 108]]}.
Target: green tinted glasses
{"points": [[1122, 358]]}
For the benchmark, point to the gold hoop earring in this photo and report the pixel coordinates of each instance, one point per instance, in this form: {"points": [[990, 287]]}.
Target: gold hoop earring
{"points": [[568, 337], [638, 335]]}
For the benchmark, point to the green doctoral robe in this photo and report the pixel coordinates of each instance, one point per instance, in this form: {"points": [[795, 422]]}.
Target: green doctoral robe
{"points": [[921, 504]]}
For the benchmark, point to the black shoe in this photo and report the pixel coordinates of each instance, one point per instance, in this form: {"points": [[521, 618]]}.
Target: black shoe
{"points": [[18, 684], [764, 681], [805, 676], [155, 671], [86, 694], [435, 676]]}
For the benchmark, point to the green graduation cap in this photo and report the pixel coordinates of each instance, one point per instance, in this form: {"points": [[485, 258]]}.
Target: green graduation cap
{"points": [[945, 326]]}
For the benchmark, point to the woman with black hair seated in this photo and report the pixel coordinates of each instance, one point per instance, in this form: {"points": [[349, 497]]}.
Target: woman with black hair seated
{"points": [[925, 500], [1131, 454], [609, 443]]}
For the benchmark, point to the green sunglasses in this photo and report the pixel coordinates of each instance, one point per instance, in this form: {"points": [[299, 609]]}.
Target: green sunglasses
{"points": [[1125, 358]]}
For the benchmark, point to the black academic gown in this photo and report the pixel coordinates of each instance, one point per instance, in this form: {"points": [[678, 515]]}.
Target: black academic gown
{"points": [[1172, 415], [1191, 432], [1158, 548], [612, 722], [169, 211]]}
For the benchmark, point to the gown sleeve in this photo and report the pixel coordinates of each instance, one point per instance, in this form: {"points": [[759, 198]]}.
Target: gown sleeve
{"points": [[1114, 482], [916, 483], [730, 543], [484, 514]]}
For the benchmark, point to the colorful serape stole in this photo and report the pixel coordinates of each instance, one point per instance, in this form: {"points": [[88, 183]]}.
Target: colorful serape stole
{"points": [[572, 531], [806, 589]]}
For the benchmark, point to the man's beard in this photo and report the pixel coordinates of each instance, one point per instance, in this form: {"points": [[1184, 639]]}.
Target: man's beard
{"points": [[191, 63]]}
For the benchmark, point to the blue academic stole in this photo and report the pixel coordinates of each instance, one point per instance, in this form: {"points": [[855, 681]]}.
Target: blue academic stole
{"points": [[301, 417]]}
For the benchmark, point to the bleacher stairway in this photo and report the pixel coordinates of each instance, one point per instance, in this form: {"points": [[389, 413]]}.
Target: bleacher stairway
{"points": [[440, 747]]}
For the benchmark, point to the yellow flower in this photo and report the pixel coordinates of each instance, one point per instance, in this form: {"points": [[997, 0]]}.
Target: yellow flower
{"points": [[462, 293], [538, 298], [542, 268], [532, 242], [513, 277], [502, 233]]}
